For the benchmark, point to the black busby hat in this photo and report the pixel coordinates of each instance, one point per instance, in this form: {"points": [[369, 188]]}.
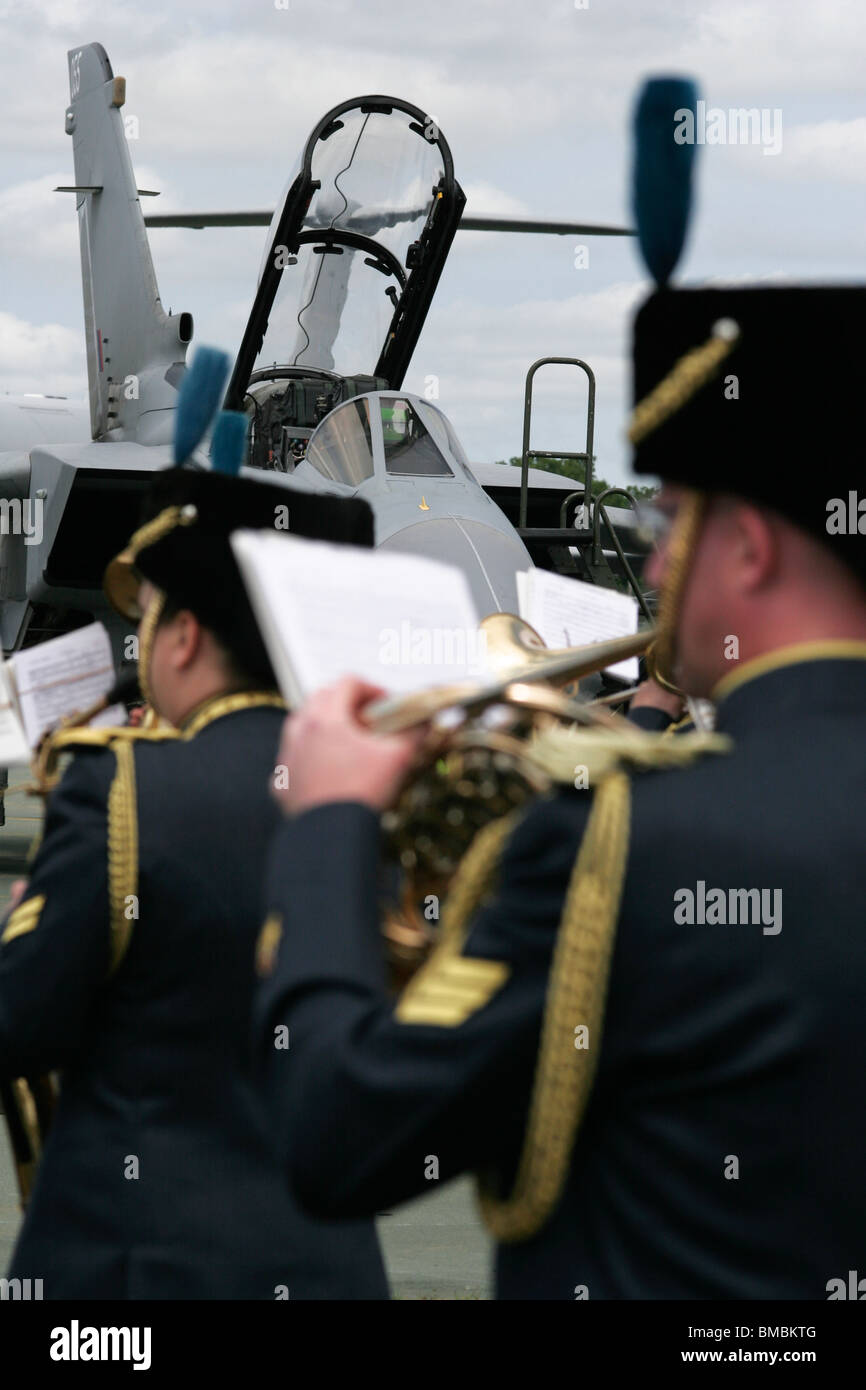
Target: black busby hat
{"points": [[183, 547], [753, 391]]}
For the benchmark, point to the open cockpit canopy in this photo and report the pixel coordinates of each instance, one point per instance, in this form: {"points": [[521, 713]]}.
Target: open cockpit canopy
{"points": [[355, 250]]}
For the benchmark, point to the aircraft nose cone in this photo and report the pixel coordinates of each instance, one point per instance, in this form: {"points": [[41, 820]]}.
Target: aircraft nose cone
{"points": [[488, 557]]}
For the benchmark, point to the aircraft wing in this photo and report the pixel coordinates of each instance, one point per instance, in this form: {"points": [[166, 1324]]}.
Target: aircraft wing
{"points": [[468, 223]]}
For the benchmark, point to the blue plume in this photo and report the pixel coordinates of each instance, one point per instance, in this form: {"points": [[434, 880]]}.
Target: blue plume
{"points": [[201, 392], [229, 442], [663, 170]]}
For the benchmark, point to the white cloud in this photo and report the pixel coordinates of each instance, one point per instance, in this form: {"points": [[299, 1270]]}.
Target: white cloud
{"points": [[535, 101], [481, 354], [832, 150], [45, 357], [486, 200], [37, 225], [233, 76]]}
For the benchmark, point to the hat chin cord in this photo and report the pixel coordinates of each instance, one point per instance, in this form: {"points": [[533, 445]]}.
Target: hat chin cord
{"points": [[661, 656], [146, 636]]}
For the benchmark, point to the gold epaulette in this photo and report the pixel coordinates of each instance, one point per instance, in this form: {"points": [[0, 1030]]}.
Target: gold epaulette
{"points": [[75, 738], [105, 735]]}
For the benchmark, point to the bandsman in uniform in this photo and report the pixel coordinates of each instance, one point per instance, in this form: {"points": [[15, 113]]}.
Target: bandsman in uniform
{"points": [[130, 964], [643, 1026]]}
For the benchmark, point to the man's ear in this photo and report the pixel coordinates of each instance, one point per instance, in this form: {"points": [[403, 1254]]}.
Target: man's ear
{"points": [[756, 548], [185, 640]]}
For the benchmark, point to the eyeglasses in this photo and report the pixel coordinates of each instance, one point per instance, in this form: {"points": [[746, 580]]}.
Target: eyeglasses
{"points": [[654, 522]]}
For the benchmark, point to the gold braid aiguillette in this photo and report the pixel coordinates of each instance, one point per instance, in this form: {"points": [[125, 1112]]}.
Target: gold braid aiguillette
{"points": [[576, 995], [692, 372], [680, 553], [146, 635]]}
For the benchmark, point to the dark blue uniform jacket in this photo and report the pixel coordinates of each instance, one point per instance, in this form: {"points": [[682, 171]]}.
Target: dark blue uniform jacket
{"points": [[158, 1179], [723, 1149]]}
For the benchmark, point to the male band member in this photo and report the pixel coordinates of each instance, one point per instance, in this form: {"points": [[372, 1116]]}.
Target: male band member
{"points": [[704, 1138], [130, 963]]}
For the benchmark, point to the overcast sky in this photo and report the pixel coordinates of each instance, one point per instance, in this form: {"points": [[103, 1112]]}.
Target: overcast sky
{"points": [[535, 99]]}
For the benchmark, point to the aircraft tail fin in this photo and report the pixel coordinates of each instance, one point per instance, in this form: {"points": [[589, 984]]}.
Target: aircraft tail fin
{"points": [[135, 351]]}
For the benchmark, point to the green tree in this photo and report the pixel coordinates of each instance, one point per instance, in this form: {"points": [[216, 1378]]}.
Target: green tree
{"points": [[574, 468]]}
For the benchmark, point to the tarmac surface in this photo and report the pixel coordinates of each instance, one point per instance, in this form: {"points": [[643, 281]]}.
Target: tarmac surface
{"points": [[435, 1247]]}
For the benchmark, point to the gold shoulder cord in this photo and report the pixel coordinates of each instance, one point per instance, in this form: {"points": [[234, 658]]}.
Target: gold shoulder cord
{"points": [[576, 993], [688, 376], [681, 549], [475, 879], [146, 635], [122, 850]]}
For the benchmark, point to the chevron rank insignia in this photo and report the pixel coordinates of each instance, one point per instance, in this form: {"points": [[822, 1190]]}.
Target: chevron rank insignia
{"points": [[449, 989], [23, 919]]}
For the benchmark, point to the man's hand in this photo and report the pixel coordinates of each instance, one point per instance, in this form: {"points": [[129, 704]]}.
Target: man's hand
{"points": [[650, 694], [327, 753], [16, 892]]}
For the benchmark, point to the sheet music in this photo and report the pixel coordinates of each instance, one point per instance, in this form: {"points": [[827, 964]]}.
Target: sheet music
{"points": [[569, 612], [14, 748], [64, 676], [402, 622]]}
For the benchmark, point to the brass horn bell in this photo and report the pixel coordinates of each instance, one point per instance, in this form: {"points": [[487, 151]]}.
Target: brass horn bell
{"points": [[480, 770], [515, 653]]}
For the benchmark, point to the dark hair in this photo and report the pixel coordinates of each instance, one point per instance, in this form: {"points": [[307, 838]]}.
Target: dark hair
{"points": [[243, 653]]}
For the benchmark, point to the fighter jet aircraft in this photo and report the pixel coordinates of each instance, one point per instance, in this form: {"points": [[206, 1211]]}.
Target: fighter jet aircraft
{"points": [[351, 263]]}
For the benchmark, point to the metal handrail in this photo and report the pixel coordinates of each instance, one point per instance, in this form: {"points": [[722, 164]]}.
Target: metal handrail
{"points": [[585, 457], [580, 492], [601, 515]]}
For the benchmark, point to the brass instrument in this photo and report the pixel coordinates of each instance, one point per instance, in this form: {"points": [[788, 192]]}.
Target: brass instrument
{"points": [[478, 765]]}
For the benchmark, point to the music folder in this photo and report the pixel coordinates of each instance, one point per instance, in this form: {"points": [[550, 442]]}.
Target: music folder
{"points": [[403, 623]]}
